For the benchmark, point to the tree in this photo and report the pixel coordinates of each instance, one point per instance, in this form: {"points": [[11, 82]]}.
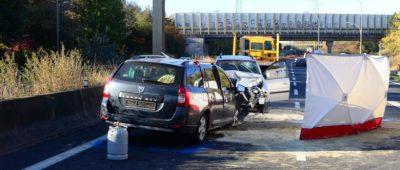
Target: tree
{"points": [[370, 47], [11, 21], [391, 43], [102, 26], [139, 39], [175, 42]]}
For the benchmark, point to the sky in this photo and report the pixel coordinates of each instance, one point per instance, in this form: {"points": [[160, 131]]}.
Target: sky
{"points": [[278, 6]]}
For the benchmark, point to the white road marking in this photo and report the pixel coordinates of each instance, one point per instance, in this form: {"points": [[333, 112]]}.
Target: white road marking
{"points": [[395, 83], [294, 84], [301, 157], [65, 155], [297, 105], [296, 92], [294, 78], [394, 103]]}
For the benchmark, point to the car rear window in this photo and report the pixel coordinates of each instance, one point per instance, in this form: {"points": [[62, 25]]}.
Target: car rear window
{"points": [[149, 73], [194, 77]]}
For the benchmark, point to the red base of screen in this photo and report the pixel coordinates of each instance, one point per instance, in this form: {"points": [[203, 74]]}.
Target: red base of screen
{"points": [[339, 130]]}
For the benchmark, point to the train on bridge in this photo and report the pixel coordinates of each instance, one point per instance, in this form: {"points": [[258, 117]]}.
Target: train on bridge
{"points": [[291, 26]]}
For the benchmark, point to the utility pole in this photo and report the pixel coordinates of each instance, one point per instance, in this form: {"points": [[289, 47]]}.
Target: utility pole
{"points": [[317, 23], [361, 25], [158, 26], [58, 25], [238, 6]]}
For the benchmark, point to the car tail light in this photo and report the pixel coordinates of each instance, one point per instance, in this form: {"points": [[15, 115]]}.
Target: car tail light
{"points": [[183, 97], [106, 92]]}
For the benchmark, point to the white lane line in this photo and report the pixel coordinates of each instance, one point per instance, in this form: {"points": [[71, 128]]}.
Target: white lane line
{"points": [[395, 83], [294, 84], [297, 105], [65, 155], [294, 78], [394, 103], [296, 92], [301, 157]]}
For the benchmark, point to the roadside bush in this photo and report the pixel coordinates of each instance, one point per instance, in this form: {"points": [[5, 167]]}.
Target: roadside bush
{"points": [[9, 79], [51, 71], [96, 74], [48, 72]]}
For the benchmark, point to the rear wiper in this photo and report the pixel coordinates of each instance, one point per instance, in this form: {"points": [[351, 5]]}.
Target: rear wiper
{"points": [[152, 81]]}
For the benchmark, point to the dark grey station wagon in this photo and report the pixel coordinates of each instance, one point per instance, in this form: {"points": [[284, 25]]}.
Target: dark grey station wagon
{"points": [[170, 95]]}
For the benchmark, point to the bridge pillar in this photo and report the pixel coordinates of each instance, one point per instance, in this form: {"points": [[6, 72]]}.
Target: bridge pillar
{"points": [[158, 26], [329, 44], [195, 47]]}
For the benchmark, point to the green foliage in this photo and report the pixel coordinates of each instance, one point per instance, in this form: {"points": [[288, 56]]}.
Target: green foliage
{"points": [[101, 26], [98, 17], [139, 39], [370, 47], [102, 29], [175, 42], [395, 77], [391, 43]]}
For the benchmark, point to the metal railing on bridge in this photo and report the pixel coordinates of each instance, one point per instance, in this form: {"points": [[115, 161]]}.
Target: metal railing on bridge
{"points": [[295, 26]]}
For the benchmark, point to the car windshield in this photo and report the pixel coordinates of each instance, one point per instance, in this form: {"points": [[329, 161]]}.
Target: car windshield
{"points": [[245, 66], [148, 73]]}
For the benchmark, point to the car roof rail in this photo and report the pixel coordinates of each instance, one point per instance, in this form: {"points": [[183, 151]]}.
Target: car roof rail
{"points": [[220, 55], [197, 62], [185, 63]]}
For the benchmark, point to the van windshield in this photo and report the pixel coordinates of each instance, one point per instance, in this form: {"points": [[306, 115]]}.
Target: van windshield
{"points": [[256, 46], [245, 66], [143, 72]]}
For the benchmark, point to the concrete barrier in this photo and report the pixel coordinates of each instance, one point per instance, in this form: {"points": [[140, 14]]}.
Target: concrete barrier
{"points": [[27, 121]]}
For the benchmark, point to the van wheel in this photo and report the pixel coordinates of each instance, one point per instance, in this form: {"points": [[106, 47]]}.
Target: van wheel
{"points": [[201, 131]]}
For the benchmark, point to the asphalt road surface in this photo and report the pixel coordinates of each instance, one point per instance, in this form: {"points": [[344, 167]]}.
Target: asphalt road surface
{"points": [[263, 141]]}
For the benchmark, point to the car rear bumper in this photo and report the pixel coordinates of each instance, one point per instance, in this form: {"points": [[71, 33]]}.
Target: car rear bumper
{"points": [[188, 129], [178, 123]]}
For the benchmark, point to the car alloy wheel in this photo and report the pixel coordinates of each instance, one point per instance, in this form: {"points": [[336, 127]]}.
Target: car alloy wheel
{"points": [[235, 119], [202, 129]]}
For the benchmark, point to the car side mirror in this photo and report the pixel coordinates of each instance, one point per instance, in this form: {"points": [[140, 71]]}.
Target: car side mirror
{"points": [[240, 88]]}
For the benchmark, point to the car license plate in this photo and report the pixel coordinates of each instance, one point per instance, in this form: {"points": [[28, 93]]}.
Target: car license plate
{"points": [[261, 100], [141, 104]]}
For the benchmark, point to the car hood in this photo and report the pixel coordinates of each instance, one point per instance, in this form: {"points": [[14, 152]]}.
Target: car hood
{"points": [[244, 78]]}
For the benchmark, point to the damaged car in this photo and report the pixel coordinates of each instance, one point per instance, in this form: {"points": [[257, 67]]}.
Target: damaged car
{"points": [[262, 85]]}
